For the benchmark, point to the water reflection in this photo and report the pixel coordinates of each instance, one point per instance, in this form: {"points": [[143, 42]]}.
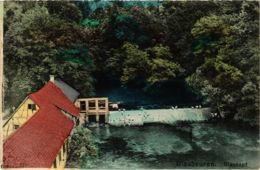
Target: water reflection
{"points": [[161, 146]]}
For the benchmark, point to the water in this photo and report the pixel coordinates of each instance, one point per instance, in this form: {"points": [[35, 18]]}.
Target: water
{"points": [[163, 146], [165, 116], [156, 96]]}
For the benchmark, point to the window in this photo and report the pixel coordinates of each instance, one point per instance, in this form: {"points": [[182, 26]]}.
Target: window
{"points": [[92, 118], [16, 126], [92, 104], [32, 106], [63, 148], [60, 156], [55, 163], [82, 105], [102, 104], [67, 144]]}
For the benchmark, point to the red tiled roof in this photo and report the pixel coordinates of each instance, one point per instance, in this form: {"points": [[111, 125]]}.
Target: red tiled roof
{"points": [[38, 141], [51, 94]]}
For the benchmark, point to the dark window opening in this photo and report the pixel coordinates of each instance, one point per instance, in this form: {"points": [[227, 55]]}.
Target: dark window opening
{"points": [[77, 122], [32, 106], [82, 105], [55, 163], [67, 144], [102, 104], [92, 104], [102, 119], [16, 126], [60, 156], [92, 118], [63, 147]]}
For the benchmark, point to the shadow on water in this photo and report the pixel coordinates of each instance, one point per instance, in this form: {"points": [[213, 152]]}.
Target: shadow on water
{"points": [[175, 92], [164, 146], [118, 144]]}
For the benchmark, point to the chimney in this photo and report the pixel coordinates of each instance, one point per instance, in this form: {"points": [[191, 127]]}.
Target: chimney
{"points": [[52, 78]]}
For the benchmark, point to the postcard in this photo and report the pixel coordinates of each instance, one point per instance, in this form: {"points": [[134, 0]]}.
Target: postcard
{"points": [[130, 84]]}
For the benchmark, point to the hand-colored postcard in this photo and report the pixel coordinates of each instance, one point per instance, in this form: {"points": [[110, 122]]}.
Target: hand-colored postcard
{"points": [[130, 84]]}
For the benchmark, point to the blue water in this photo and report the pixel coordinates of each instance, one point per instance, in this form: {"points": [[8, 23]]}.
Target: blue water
{"points": [[162, 146]]}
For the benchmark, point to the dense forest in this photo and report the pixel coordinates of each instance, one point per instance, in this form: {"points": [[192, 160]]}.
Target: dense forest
{"points": [[211, 46]]}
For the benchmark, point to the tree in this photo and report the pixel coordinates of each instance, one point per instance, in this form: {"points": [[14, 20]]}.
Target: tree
{"points": [[34, 42], [153, 65], [229, 73], [213, 45], [135, 65], [178, 20], [162, 70], [65, 11], [81, 145]]}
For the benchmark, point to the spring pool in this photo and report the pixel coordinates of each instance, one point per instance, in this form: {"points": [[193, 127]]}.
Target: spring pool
{"points": [[164, 146]]}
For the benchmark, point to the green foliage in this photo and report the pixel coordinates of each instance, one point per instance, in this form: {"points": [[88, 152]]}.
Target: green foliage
{"points": [[178, 19], [135, 66], [79, 55], [65, 10], [81, 145], [34, 44], [90, 23], [213, 45], [125, 27], [229, 63], [160, 51], [114, 64], [210, 25], [162, 70], [149, 66]]}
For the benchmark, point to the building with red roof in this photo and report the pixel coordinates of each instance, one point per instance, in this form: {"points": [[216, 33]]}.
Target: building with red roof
{"points": [[37, 133]]}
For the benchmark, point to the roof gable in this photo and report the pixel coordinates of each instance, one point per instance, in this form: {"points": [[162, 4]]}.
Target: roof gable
{"points": [[37, 142], [71, 93], [50, 94]]}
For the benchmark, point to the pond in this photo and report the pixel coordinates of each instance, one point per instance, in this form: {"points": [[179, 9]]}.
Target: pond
{"points": [[163, 146]]}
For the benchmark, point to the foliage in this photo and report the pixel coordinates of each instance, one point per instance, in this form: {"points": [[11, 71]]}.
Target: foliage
{"points": [[127, 28], [212, 45], [135, 66], [81, 145], [78, 54], [33, 45], [160, 51], [90, 23], [147, 67], [65, 10], [162, 70], [228, 68]]}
